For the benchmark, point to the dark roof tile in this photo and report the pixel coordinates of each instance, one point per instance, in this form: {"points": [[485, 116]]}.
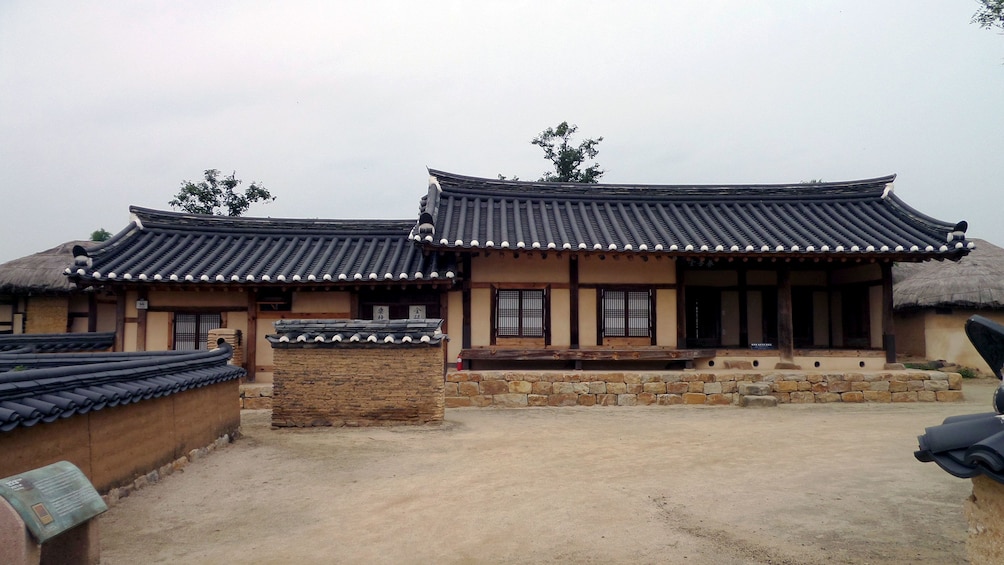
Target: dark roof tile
{"points": [[355, 333]]}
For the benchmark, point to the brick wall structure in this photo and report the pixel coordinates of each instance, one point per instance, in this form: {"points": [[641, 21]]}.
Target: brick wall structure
{"points": [[720, 387], [357, 373]]}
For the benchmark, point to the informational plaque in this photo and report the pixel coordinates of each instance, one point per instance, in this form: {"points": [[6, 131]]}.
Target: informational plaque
{"points": [[52, 499]]}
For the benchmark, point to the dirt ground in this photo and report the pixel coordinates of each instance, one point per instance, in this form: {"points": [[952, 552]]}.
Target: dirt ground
{"points": [[797, 484]]}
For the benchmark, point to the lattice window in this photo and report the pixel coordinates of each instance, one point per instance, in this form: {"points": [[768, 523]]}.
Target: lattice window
{"points": [[520, 313], [627, 313], [191, 331]]}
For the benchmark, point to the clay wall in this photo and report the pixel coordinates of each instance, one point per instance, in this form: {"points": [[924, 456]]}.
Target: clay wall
{"points": [[47, 315]]}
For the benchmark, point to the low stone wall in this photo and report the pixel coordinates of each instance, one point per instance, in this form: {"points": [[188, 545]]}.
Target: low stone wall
{"points": [[591, 388], [985, 513], [256, 396]]}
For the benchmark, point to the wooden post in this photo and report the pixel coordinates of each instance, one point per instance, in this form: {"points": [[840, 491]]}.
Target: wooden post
{"points": [[251, 346], [466, 306], [92, 312], [681, 308], [744, 322], [120, 309], [888, 325], [573, 301], [141, 322], [785, 334]]}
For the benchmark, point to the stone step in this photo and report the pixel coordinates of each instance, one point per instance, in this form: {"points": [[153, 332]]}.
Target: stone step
{"points": [[757, 401], [754, 389]]}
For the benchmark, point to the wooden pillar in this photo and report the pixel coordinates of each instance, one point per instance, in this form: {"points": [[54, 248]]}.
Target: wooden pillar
{"points": [[573, 301], [785, 333], [465, 305], [251, 346], [141, 322], [681, 307], [744, 322], [92, 312], [888, 325], [120, 310]]}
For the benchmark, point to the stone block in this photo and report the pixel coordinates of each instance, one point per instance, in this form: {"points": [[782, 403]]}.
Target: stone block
{"points": [[927, 396], [696, 386], [494, 387], [632, 379], [820, 387], [670, 399], [694, 398], [954, 381], [520, 387], [915, 385], [468, 389], [580, 388], [910, 396], [451, 389], [536, 400], [751, 401], [627, 399], [935, 385], [877, 396], [897, 386], [606, 399], [654, 388], [949, 396], [616, 388], [719, 399], [543, 388], [785, 386], [828, 397], [597, 387], [861, 385], [852, 377], [587, 399], [646, 398], [712, 388], [481, 401], [729, 387], [634, 388], [563, 399], [257, 403], [754, 389], [853, 396], [510, 400], [880, 385], [802, 397], [677, 387], [839, 386]]}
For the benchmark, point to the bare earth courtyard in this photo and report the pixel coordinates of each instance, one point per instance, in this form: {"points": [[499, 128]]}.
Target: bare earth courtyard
{"points": [[797, 484]]}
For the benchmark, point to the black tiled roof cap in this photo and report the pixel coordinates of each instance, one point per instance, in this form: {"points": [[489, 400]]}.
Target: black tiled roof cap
{"points": [[28, 397], [177, 248], [836, 218], [42, 343], [356, 333]]}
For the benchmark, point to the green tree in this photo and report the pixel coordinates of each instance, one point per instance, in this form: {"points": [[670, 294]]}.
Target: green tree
{"points": [[219, 196], [100, 235], [990, 14], [567, 157]]}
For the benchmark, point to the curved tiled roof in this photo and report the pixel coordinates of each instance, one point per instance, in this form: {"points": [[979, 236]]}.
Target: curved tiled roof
{"points": [[862, 218], [51, 343], [354, 333], [47, 394], [195, 249]]}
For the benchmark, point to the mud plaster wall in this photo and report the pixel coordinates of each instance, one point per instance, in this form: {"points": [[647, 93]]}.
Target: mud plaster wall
{"points": [[47, 315], [114, 445], [985, 514], [357, 386]]}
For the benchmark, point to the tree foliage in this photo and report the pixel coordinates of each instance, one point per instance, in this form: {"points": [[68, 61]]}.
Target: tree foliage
{"points": [[567, 157], [219, 196], [100, 235], [990, 15]]}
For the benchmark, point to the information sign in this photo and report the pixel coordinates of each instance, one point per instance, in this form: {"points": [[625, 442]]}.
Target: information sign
{"points": [[52, 499]]}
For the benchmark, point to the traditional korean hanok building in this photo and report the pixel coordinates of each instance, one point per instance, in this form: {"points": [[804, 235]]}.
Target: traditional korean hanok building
{"points": [[546, 274]]}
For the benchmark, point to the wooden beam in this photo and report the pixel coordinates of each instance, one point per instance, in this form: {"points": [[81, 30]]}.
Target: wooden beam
{"points": [[141, 322], [888, 323], [681, 307], [744, 322], [92, 313], [573, 301], [120, 308], [588, 354]]}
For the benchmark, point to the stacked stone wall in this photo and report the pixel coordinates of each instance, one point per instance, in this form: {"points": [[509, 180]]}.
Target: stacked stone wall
{"points": [[600, 388], [357, 386], [47, 315]]}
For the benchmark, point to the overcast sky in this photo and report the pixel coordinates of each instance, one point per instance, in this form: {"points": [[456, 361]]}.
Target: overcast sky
{"points": [[339, 107]]}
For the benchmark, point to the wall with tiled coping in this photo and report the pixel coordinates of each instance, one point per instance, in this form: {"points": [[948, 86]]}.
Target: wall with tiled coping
{"points": [[601, 388]]}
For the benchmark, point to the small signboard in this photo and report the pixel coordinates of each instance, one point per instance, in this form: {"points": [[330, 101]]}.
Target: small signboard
{"points": [[52, 499]]}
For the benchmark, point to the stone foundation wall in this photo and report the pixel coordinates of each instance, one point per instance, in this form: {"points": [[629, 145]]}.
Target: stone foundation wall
{"points": [[357, 386], [590, 388], [985, 513]]}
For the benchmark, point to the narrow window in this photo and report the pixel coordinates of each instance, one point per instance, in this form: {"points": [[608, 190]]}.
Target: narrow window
{"points": [[627, 313], [520, 313], [191, 331]]}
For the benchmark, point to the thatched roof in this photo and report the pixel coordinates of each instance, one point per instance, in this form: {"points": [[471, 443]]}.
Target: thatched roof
{"points": [[975, 281], [40, 273]]}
